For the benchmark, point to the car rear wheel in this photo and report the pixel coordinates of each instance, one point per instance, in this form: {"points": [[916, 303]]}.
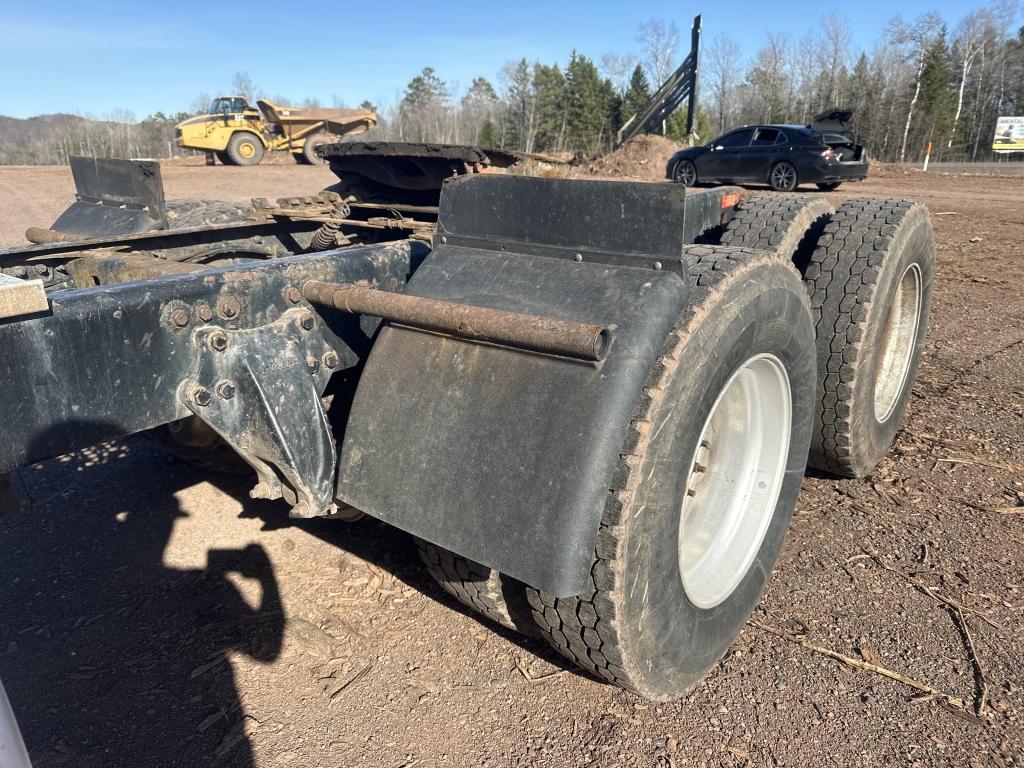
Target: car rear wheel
{"points": [[708, 478], [685, 173], [783, 177]]}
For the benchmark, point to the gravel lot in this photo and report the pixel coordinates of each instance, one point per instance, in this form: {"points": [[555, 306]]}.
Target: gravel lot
{"points": [[154, 615]]}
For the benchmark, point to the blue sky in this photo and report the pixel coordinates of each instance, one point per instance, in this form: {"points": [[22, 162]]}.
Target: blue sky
{"points": [[97, 56]]}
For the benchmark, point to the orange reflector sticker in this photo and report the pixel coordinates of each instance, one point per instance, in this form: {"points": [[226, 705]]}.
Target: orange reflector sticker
{"points": [[728, 201]]}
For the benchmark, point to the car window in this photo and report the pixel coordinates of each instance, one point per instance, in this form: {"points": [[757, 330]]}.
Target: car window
{"points": [[766, 137], [736, 138], [782, 138]]}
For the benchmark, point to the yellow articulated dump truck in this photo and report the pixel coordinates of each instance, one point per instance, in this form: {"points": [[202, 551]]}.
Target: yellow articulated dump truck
{"points": [[237, 133]]}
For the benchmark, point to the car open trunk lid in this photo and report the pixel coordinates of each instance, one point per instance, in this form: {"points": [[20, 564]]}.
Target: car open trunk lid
{"points": [[833, 120]]}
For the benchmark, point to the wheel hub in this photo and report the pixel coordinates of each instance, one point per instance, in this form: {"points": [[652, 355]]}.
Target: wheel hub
{"points": [[898, 342], [782, 175], [734, 480]]}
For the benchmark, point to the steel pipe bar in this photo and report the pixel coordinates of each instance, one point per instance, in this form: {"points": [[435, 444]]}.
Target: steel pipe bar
{"points": [[514, 329]]}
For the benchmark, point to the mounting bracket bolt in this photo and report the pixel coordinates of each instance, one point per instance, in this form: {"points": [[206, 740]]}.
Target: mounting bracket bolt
{"points": [[200, 396], [225, 389], [179, 317], [228, 307], [218, 341], [330, 359]]}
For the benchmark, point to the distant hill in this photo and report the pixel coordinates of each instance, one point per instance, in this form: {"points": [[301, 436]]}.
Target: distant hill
{"points": [[49, 139], [38, 139]]}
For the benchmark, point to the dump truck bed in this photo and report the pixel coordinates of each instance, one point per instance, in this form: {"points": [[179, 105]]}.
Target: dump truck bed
{"points": [[336, 120]]}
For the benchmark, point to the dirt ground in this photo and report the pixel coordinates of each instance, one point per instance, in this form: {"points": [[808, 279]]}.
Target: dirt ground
{"points": [[153, 615]]}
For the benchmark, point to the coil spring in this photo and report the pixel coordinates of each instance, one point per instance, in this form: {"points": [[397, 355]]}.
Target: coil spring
{"points": [[326, 236]]}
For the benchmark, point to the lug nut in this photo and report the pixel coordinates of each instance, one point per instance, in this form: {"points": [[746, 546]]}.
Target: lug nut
{"points": [[225, 389], [201, 396], [218, 341], [313, 363], [179, 317], [204, 313], [330, 359], [292, 294], [307, 322]]}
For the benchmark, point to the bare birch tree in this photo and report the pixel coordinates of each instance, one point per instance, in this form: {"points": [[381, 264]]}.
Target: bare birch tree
{"points": [[916, 39], [658, 39]]}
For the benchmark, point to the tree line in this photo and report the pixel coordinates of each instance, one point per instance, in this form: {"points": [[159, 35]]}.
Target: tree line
{"points": [[926, 80], [921, 82]]}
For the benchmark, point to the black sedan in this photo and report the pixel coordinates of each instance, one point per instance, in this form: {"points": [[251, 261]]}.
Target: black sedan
{"points": [[783, 156]]}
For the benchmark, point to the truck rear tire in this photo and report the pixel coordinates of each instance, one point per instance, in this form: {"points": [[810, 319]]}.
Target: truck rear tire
{"points": [[683, 553], [500, 598], [870, 280], [245, 148], [787, 225]]}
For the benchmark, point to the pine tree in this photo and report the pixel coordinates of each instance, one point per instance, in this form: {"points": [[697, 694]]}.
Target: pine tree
{"points": [[488, 136], [637, 95], [423, 108], [550, 89], [588, 101], [937, 100], [520, 114]]}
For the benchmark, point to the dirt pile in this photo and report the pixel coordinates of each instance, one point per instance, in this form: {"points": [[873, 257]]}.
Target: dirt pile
{"points": [[643, 157]]}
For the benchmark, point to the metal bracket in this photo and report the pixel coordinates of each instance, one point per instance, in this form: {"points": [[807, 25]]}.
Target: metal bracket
{"points": [[260, 389]]}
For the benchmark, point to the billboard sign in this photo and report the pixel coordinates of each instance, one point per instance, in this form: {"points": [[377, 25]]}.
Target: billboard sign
{"points": [[1009, 135]]}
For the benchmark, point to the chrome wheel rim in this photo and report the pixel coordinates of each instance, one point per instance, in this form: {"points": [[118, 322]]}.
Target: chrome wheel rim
{"points": [[898, 342], [783, 176], [734, 480], [686, 174]]}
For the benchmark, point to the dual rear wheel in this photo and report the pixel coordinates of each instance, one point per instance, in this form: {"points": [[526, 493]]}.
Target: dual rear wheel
{"points": [[800, 352]]}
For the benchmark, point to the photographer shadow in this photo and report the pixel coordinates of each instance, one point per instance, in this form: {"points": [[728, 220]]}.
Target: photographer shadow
{"points": [[109, 655]]}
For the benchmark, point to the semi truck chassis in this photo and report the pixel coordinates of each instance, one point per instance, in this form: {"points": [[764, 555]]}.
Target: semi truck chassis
{"points": [[591, 402]]}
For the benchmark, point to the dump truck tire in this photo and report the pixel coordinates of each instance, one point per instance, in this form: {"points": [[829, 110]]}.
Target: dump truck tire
{"points": [[500, 598], [245, 149], [870, 280], [309, 155], [735, 379], [787, 225]]}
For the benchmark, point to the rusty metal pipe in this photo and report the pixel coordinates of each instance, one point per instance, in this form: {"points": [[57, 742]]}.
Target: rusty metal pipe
{"points": [[514, 329]]}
